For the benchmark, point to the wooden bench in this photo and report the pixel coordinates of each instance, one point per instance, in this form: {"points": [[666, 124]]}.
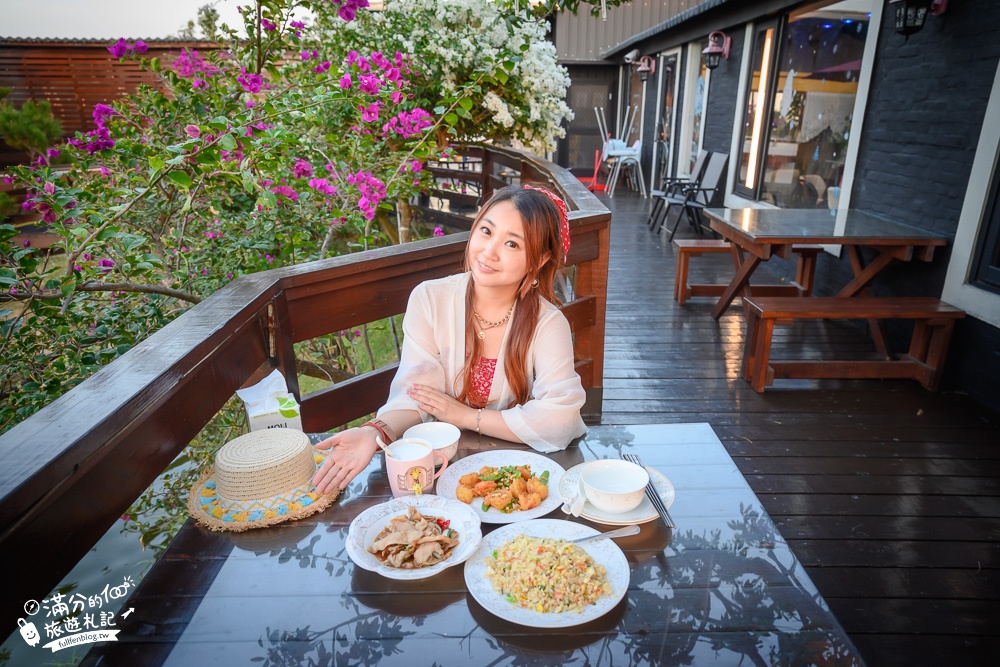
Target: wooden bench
{"points": [[934, 321], [805, 270]]}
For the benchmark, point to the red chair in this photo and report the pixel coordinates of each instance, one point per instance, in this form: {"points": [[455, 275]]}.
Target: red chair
{"points": [[593, 185]]}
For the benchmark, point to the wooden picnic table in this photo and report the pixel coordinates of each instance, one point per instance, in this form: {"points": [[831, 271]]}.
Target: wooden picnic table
{"points": [[722, 588], [758, 234]]}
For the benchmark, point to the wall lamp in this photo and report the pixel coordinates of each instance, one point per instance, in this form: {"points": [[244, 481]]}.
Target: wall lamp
{"points": [[911, 14], [647, 66], [717, 49]]}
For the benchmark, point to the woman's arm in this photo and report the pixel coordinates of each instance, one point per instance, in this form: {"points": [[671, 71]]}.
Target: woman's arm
{"points": [[551, 419], [352, 450]]}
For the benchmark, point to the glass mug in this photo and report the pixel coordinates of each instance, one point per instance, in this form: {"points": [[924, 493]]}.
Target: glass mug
{"points": [[409, 463]]}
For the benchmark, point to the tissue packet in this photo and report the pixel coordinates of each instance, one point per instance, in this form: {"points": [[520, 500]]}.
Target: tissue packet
{"points": [[269, 404]]}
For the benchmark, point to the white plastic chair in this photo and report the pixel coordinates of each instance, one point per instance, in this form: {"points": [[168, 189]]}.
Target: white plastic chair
{"points": [[623, 156]]}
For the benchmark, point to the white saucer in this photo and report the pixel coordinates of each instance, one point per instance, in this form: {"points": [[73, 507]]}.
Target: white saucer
{"points": [[569, 487]]}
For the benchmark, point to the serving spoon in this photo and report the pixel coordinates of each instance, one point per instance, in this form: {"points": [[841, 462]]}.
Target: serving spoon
{"points": [[621, 532]]}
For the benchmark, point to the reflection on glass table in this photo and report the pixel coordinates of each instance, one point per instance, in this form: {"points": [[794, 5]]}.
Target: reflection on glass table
{"points": [[723, 588]]}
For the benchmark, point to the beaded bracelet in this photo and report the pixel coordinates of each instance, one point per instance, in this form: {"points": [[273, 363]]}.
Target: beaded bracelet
{"points": [[382, 428], [479, 415]]}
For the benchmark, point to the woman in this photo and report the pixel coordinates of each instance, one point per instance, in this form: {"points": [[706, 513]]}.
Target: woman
{"points": [[485, 350]]}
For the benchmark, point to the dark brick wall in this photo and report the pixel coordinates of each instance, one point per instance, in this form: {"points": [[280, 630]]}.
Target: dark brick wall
{"points": [[722, 95]]}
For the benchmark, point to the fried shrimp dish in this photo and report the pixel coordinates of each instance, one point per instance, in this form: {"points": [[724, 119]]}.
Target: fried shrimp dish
{"points": [[414, 541], [508, 489], [546, 575]]}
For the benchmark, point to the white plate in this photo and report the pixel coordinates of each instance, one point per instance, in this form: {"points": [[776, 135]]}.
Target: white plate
{"points": [[604, 552], [447, 484], [367, 525], [569, 487]]}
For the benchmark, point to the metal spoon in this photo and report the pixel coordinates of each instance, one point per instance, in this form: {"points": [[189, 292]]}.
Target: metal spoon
{"points": [[621, 532]]}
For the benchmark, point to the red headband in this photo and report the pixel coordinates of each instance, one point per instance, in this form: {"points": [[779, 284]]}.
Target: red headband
{"points": [[563, 216]]}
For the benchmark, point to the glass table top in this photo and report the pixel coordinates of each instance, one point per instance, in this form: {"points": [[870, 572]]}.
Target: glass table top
{"points": [[820, 226], [723, 588]]}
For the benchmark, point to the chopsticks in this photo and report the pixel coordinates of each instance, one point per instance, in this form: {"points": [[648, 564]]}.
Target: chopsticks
{"points": [[653, 496]]}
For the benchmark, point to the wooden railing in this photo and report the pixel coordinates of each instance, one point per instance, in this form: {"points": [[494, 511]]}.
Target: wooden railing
{"points": [[70, 471]]}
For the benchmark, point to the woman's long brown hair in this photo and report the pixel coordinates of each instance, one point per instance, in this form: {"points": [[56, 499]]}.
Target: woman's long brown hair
{"points": [[541, 235]]}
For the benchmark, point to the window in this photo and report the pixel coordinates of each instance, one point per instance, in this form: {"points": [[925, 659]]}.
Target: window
{"points": [[695, 101], [986, 260], [800, 104]]}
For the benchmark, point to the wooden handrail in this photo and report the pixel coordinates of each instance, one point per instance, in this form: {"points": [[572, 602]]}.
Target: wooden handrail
{"points": [[70, 471]]}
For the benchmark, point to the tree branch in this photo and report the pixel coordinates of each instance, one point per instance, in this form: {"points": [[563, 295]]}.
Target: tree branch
{"points": [[97, 286]]}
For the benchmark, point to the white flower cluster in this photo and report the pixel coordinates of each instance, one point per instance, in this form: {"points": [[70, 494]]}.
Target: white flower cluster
{"points": [[450, 39], [501, 114]]}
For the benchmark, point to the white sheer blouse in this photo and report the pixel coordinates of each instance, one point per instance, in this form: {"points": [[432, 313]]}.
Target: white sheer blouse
{"points": [[434, 355]]}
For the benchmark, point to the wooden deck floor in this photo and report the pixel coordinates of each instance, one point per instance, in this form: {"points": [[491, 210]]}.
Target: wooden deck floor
{"points": [[887, 493]]}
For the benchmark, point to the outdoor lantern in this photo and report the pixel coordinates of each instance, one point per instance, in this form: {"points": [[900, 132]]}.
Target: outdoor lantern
{"points": [[646, 67], [911, 14], [717, 49]]}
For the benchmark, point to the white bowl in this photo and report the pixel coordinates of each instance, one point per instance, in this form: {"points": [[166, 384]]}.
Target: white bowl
{"points": [[442, 436], [614, 486]]}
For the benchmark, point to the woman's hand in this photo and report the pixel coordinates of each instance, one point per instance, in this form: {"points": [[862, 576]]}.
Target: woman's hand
{"points": [[350, 452], [441, 406]]}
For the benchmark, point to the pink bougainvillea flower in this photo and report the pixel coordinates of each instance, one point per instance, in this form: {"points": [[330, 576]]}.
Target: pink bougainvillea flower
{"points": [[345, 82], [408, 123], [297, 27], [322, 67], [369, 84], [369, 113], [285, 191], [438, 231], [268, 25], [251, 82], [106, 263], [193, 131], [372, 192], [119, 48], [101, 114], [302, 169], [49, 188]]}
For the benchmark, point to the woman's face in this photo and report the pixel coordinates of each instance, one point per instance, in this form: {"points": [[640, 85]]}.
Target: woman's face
{"points": [[496, 251]]}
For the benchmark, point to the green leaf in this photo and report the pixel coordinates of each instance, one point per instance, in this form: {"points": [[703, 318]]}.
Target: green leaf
{"points": [[451, 118], [180, 178], [228, 142], [502, 76], [247, 178], [267, 199], [440, 109], [156, 163], [465, 103]]}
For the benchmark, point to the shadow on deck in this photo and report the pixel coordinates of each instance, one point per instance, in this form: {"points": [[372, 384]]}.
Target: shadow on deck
{"points": [[887, 493]]}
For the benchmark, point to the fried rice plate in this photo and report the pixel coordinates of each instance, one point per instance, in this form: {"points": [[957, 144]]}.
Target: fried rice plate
{"points": [[546, 575]]}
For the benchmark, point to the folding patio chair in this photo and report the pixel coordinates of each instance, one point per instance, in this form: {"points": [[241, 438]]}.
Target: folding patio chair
{"points": [[694, 199], [671, 185]]}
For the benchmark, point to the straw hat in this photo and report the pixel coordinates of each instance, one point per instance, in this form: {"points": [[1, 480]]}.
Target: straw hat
{"points": [[259, 479]]}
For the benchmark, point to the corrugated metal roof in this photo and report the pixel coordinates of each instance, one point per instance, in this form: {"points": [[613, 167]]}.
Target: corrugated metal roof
{"points": [[582, 38], [692, 12]]}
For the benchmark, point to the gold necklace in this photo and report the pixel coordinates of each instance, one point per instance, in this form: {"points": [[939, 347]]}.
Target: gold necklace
{"points": [[486, 324]]}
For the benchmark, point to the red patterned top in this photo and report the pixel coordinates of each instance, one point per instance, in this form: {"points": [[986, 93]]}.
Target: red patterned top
{"points": [[482, 381]]}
